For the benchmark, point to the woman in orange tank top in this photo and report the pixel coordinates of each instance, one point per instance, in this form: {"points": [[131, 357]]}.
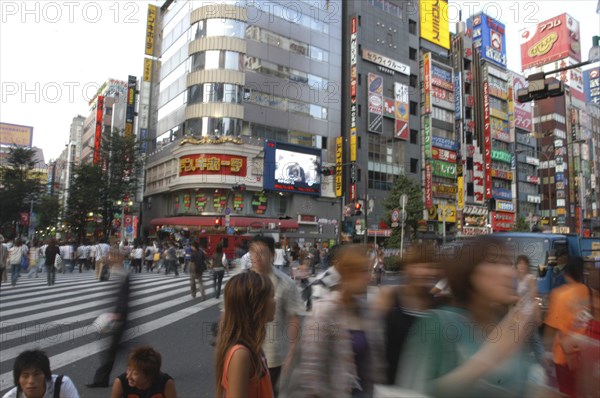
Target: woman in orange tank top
{"points": [[241, 367]]}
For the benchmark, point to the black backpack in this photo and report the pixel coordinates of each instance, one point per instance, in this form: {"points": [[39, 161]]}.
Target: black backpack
{"points": [[57, 384]]}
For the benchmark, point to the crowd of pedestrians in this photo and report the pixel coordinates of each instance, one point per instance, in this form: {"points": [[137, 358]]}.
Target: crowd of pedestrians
{"points": [[462, 322]]}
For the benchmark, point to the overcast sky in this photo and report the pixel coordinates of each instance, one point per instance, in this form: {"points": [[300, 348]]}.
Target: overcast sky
{"points": [[55, 54]]}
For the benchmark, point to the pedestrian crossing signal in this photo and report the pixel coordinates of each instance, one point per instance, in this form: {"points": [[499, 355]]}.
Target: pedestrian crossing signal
{"points": [[357, 209], [217, 222]]}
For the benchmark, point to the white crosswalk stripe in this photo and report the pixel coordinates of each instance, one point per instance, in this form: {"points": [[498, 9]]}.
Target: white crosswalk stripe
{"points": [[34, 315]]}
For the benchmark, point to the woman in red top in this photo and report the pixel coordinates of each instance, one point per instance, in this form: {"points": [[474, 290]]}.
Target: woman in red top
{"points": [[242, 369]]}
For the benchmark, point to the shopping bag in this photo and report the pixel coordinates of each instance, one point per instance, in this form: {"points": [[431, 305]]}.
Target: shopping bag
{"points": [[58, 263]]}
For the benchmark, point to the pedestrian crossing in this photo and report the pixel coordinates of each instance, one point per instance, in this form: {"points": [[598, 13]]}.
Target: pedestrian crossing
{"points": [[60, 319]]}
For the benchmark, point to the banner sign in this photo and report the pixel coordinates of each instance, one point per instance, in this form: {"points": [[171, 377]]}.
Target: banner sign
{"points": [[427, 82], [487, 136], [150, 29], [445, 143], [443, 169], [339, 145], [457, 96], [401, 113], [428, 188], [551, 40], [99, 127], [501, 193], [443, 154], [386, 62], [208, 163], [488, 34], [15, 134], [435, 22], [505, 175], [427, 136]]}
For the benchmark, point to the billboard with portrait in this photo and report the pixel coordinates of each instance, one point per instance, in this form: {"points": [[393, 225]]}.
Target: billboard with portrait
{"points": [[522, 111], [292, 168], [551, 40]]}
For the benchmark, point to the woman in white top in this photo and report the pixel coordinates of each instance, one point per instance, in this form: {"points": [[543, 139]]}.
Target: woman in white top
{"points": [[279, 260], [15, 254], [33, 378]]}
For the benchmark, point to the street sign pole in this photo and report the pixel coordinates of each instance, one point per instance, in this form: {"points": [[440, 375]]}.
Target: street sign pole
{"points": [[403, 200]]}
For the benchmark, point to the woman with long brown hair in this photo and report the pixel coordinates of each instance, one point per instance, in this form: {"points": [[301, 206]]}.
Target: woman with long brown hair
{"points": [[242, 371]]}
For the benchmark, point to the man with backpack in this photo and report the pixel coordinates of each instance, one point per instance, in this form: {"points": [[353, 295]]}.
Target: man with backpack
{"points": [[197, 267]]}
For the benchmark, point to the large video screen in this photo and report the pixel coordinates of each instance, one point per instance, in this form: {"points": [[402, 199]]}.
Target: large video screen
{"points": [[292, 168]]}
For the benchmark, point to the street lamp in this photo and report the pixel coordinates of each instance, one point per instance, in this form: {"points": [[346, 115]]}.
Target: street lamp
{"points": [[123, 204]]}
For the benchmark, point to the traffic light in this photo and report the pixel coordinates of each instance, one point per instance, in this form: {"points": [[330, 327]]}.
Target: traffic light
{"points": [[217, 222], [357, 209], [540, 88]]}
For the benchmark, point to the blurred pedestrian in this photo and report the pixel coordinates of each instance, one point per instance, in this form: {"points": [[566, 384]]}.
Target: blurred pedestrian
{"points": [[15, 255], [67, 254], [472, 348], [34, 379], [241, 365], [52, 251], [218, 269], [285, 329], [119, 316], [197, 266], [136, 258], [102, 250], [341, 338], [527, 290], [34, 256], [3, 260], [569, 310], [402, 305], [143, 377]]}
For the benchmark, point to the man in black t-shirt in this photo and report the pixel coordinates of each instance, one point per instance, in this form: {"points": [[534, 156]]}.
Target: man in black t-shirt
{"points": [[197, 268]]}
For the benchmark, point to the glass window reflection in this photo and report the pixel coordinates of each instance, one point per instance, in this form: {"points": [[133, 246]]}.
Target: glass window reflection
{"points": [[208, 126], [218, 27]]}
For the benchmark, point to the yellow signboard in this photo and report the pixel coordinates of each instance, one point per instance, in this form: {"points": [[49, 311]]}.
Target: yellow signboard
{"points": [[353, 144], [461, 193], [150, 29], [14, 134], [434, 22], [339, 142], [147, 69], [449, 211]]}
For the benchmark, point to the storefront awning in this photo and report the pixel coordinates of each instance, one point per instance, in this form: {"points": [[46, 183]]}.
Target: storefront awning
{"points": [[209, 221]]}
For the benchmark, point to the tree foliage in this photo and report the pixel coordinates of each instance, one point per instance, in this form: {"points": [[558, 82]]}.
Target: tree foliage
{"points": [[521, 225], [48, 211], [414, 207], [97, 187], [19, 184]]}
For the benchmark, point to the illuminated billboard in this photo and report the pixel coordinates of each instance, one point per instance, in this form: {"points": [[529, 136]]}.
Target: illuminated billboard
{"points": [[554, 39], [15, 134], [434, 22], [292, 168], [488, 36]]}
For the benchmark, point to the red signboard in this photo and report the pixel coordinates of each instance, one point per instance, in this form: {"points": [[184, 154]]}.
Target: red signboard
{"points": [[502, 221], [551, 40], [443, 154], [505, 175], [352, 192], [428, 190], [98, 136], [427, 81], [533, 179], [209, 163], [487, 138]]}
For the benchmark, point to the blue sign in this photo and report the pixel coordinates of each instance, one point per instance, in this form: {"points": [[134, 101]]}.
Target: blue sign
{"points": [[501, 193], [591, 85], [490, 33], [230, 231], [445, 143], [129, 229], [457, 97]]}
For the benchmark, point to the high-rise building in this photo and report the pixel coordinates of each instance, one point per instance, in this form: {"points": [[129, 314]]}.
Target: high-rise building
{"points": [[107, 110], [243, 115], [591, 195], [380, 102], [526, 181], [557, 122]]}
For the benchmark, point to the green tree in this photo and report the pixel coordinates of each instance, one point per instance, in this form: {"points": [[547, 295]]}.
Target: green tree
{"points": [[48, 210], [521, 225], [97, 187], [19, 184], [414, 207]]}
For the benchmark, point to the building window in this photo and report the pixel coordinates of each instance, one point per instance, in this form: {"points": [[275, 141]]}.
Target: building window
{"points": [[412, 27], [413, 80], [412, 53], [414, 136], [414, 165], [413, 108], [209, 126]]}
